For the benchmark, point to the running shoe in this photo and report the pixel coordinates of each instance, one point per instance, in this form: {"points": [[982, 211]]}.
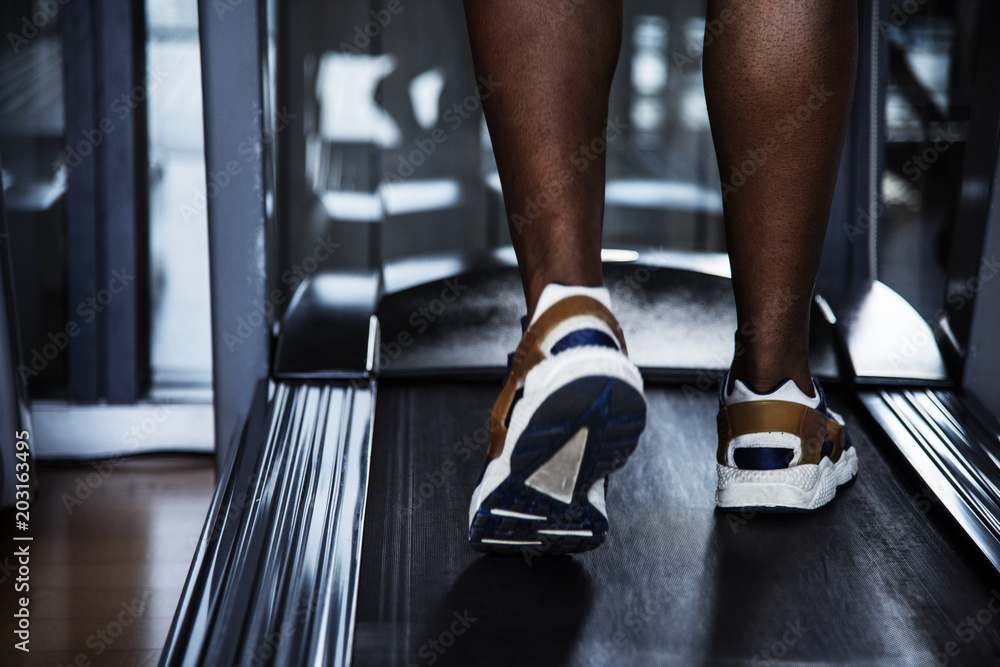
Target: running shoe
{"points": [[780, 451], [571, 412]]}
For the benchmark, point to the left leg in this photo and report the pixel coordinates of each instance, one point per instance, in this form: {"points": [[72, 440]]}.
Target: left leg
{"points": [[572, 407]]}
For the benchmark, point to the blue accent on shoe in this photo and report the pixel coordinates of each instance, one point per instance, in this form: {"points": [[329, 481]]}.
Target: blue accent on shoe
{"points": [[615, 415], [822, 396], [584, 337], [762, 458], [482, 473], [518, 395], [826, 449]]}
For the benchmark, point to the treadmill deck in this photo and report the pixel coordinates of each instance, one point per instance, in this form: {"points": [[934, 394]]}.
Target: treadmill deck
{"points": [[882, 576]]}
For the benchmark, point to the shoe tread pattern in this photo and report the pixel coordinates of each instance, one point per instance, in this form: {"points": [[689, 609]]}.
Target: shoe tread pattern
{"points": [[614, 413]]}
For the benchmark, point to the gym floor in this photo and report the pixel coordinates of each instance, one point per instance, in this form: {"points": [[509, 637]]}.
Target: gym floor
{"points": [[112, 544]]}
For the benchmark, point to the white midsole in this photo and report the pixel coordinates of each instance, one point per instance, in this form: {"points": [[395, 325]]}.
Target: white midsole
{"points": [[541, 382], [806, 486]]}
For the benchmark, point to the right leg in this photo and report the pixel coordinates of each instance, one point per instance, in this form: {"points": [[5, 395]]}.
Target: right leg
{"points": [[778, 82], [572, 408]]}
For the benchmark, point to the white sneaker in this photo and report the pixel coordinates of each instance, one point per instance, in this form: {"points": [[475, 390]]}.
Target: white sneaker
{"points": [[781, 451], [571, 411]]}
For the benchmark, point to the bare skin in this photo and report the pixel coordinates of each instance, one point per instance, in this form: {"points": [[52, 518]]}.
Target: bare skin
{"points": [[775, 59], [779, 78]]}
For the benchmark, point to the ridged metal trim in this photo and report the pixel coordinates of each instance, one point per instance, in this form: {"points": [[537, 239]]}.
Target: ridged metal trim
{"points": [[274, 579], [954, 449]]}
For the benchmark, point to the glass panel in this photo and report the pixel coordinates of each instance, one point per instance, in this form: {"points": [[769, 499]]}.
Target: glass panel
{"points": [[933, 54], [35, 159], [663, 182], [181, 347], [389, 154]]}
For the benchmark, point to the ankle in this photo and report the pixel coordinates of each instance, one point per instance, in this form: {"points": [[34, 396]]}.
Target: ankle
{"points": [[764, 377], [534, 290]]}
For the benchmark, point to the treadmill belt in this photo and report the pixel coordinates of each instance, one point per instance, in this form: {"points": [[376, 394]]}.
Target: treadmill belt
{"points": [[882, 576]]}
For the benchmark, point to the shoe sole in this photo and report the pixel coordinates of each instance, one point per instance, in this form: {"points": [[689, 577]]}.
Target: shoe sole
{"points": [[801, 488], [577, 436]]}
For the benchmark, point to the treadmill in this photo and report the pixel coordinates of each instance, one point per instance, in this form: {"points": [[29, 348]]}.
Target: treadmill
{"points": [[352, 423]]}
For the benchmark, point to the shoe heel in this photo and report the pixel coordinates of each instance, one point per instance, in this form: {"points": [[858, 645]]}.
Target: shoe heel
{"points": [[543, 505]]}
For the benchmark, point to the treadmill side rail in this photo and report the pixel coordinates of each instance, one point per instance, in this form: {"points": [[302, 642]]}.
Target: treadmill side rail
{"points": [[954, 447], [274, 578]]}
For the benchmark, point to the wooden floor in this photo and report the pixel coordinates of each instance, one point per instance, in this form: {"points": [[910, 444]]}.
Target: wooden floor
{"points": [[111, 549]]}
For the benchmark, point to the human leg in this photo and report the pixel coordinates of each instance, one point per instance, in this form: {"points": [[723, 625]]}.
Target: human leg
{"points": [[572, 408], [553, 62], [779, 81]]}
